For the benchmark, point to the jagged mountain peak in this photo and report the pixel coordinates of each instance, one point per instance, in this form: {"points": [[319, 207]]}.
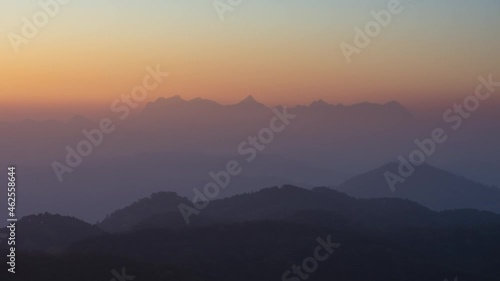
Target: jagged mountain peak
{"points": [[249, 99], [203, 102], [249, 103], [172, 99], [320, 104]]}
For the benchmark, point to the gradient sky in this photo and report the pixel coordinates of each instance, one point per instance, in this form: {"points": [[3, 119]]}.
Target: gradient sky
{"points": [[281, 52]]}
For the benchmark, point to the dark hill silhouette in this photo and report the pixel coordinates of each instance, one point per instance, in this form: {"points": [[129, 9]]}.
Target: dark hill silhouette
{"points": [[51, 233], [156, 204], [257, 236], [264, 250], [291, 203], [78, 267]]}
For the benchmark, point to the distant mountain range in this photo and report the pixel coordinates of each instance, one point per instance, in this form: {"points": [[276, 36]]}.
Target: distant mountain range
{"points": [[172, 144]]}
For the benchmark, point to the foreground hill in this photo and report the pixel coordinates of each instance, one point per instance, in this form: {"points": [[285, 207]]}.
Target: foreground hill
{"points": [[265, 250], [261, 235], [158, 203], [79, 267], [292, 204], [258, 236], [50, 233]]}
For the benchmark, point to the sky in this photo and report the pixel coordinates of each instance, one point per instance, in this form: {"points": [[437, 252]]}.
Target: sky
{"points": [[281, 52]]}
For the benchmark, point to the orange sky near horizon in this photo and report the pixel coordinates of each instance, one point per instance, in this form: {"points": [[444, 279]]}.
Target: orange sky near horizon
{"points": [[280, 54]]}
